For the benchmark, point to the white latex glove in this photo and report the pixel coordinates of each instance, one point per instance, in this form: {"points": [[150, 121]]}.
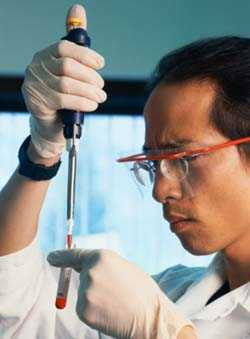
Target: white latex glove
{"points": [[118, 299], [61, 76]]}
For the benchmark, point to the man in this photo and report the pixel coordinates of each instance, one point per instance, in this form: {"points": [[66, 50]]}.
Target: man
{"points": [[199, 100], [114, 296]]}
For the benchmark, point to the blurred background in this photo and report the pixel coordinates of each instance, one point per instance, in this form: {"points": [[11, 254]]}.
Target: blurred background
{"points": [[132, 36]]}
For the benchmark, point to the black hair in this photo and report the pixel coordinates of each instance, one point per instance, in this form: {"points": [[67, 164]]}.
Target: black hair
{"points": [[225, 61]]}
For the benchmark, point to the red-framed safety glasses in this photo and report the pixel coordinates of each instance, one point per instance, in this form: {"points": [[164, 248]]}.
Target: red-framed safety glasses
{"points": [[177, 155]]}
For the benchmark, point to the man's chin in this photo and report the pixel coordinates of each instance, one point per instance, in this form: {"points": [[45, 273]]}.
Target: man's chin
{"points": [[196, 248]]}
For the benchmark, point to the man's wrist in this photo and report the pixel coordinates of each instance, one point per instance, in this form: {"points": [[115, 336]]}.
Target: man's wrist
{"points": [[187, 332], [39, 169], [47, 139], [36, 158], [170, 320]]}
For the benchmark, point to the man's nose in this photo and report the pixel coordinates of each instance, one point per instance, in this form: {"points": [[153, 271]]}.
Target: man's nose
{"points": [[165, 188]]}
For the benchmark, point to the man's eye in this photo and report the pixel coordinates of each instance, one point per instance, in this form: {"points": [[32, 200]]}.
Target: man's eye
{"points": [[193, 158]]}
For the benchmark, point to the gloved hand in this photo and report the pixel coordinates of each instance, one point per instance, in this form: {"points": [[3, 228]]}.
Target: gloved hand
{"points": [[60, 76], [118, 299]]}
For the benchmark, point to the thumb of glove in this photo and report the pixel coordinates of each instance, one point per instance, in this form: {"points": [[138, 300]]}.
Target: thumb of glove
{"points": [[65, 258], [76, 258]]}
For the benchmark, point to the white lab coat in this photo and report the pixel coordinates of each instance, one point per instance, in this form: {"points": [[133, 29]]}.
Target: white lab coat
{"points": [[28, 288], [228, 317]]}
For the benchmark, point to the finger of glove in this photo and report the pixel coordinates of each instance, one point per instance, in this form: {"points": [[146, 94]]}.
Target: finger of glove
{"points": [[63, 84], [82, 298], [84, 55], [78, 259], [42, 92], [71, 86], [73, 69], [76, 103]]}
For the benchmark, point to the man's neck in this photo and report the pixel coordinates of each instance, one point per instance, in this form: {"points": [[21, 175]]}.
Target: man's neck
{"points": [[237, 262]]}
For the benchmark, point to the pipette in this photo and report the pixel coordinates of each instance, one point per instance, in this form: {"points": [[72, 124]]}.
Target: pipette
{"points": [[72, 120]]}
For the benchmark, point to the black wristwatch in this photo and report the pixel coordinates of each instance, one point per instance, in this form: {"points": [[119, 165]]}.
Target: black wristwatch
{"points": [[37, 172]]}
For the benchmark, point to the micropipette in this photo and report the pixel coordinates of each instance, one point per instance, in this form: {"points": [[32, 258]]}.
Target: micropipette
{"points": [[72, 120]]}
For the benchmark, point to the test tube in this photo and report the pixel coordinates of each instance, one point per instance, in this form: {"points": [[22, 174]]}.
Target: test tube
{"points": [[63, 287], [64, 281]]}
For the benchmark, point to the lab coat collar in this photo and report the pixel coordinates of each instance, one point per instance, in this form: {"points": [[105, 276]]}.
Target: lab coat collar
{"points": [[193, 302]]}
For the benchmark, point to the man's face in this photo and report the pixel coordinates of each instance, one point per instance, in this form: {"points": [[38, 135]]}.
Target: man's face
{"points": [[217, 215]]}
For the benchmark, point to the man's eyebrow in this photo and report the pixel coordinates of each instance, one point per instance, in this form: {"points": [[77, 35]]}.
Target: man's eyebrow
{"points": [[170, 145]]}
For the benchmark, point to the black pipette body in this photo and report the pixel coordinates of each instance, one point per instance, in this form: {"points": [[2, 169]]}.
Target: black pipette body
{"points": [[72, 120]]}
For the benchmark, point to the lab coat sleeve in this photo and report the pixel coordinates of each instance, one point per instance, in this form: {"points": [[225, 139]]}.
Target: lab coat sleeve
{"points": [[18, 272]]}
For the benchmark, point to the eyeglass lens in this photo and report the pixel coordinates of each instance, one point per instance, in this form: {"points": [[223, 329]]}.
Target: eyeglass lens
{"points": [[145, 171]]}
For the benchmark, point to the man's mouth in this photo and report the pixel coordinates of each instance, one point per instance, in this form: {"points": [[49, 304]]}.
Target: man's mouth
{"points": [[179, 223], [174, 220]]}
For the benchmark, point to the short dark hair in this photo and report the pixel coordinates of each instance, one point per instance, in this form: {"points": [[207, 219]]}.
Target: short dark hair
{"points": [[226, 61]]}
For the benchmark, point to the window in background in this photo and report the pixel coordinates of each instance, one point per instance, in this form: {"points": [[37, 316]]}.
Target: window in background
{"points": [[109, 209]]}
